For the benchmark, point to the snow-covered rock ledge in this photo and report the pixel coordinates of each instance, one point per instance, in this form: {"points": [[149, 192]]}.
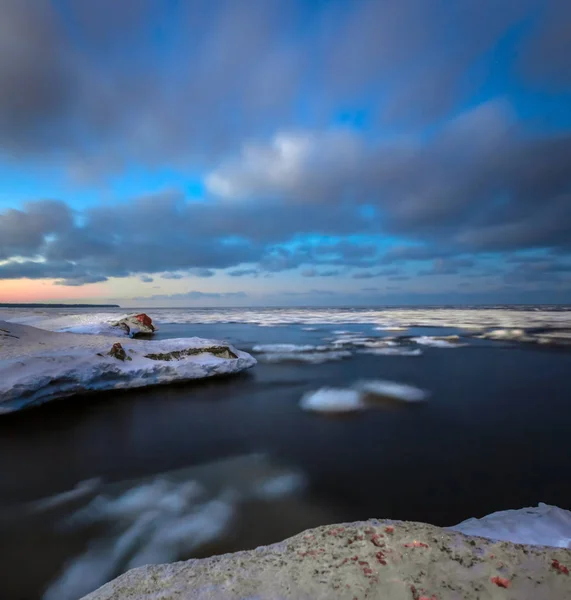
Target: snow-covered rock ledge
{"points": [[37, 365], [373, 559]]}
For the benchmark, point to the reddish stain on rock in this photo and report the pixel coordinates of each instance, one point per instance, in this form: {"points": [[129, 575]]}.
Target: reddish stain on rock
{"points": [[501, 582], [376, 539], [416, 544], [368, 571], [559, 567], [389, 529], [381, 558]]}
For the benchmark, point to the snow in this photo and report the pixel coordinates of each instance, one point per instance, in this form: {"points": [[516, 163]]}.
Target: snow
{"points": [[332, 400], [391, 389], [543, 525], [37, 366]]}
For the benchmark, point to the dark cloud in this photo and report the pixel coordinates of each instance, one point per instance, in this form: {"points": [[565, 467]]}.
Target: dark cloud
{"points": [[284, 188], [548, 271], [193, 295], [243, 272], [23, 232], [204, 273], [74, 80], [449, 266], [83, 280], [399, 278]]}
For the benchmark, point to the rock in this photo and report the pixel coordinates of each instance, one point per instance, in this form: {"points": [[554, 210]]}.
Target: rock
{"points": [[372, 559], [117, 351], [136, 325]]}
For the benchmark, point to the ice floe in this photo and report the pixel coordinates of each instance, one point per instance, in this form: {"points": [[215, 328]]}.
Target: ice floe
{"points": [[553, 337], [543, 525], [391, 389], [288, 348], [452, 341], [313, 358], [386, 318], [392, 351], [166, 518], [359, 396], [37, 366], [276, 353], [332, 400]]}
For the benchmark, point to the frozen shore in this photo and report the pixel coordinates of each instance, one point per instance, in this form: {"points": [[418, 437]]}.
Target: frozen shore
{"points": [[37, 365], [372, 559]]}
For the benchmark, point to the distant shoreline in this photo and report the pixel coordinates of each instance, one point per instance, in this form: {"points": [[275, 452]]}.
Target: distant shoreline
{"points": [[24, 305]]}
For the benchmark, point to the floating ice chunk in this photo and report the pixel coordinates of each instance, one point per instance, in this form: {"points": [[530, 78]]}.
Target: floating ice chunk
{"points": [[396, 351], [288, 348], [543, 525], [391, 389], [280, 486], [436, 342], [391, 328], [350, 340], [314, 358], [332, 400]]}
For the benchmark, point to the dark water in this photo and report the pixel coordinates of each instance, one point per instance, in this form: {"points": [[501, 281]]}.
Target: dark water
{"points": [[495, 434]]}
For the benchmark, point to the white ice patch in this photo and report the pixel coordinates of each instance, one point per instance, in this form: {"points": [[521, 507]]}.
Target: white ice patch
{"points": [[389, 318], [392, 351], [543, 525], [166, 519], [332, 400], [288, 348], [391, 389], [315, 355], [427, 340], [312, 358], [280, 486]]}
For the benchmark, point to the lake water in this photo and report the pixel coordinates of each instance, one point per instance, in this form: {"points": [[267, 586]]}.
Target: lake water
{"points": [[493, 435]]}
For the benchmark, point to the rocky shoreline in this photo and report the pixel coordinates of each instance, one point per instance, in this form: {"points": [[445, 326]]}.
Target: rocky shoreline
{"points": [[388, 560]]}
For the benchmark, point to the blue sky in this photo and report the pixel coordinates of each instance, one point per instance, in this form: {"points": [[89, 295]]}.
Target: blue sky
{"points": [[285, 152]]}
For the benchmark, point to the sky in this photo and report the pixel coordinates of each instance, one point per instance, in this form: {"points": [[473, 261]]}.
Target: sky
{"points": [[285, 152]]}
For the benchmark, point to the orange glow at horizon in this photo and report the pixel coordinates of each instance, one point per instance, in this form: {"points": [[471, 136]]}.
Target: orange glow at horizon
{"points": [[44, 290]]}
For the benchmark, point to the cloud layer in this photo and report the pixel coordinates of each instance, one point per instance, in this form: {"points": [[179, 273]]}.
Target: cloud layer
{"points": [[361, 139]]}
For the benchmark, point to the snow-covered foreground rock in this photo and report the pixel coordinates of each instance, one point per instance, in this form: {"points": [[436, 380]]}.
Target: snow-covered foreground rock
{"points": [[37, 366], [543, 525], [373, 559]]}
